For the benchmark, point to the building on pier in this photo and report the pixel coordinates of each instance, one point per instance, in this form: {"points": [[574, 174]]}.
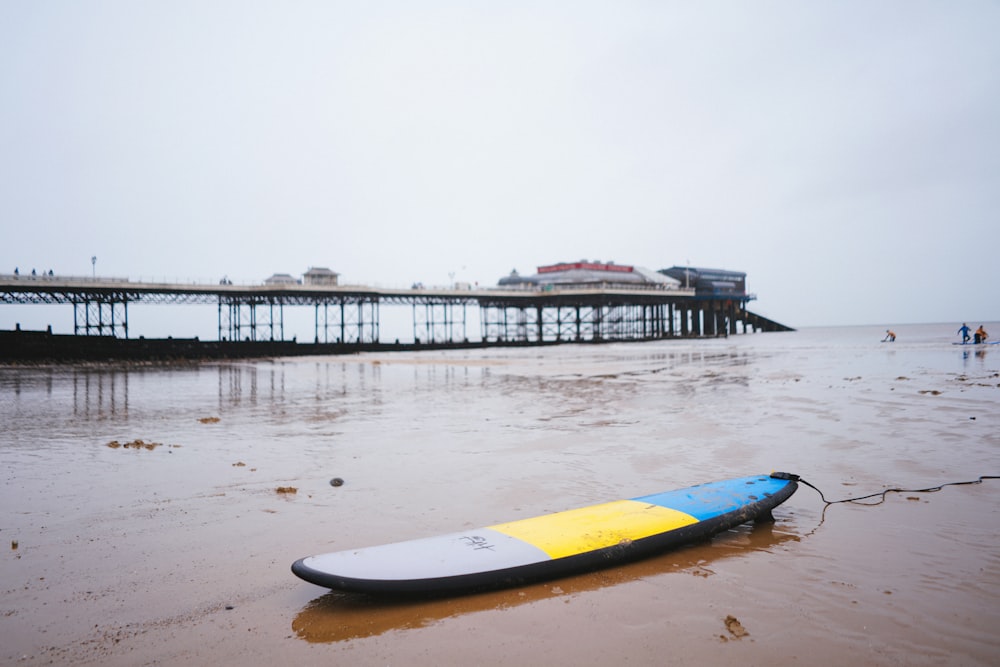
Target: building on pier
{"points": [[710, 282], [318, 275], [281, 279], [599, 301], [586, 273]]}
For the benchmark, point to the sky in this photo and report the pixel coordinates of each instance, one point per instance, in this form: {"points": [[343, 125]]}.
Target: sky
{"points": [[845, 155]]}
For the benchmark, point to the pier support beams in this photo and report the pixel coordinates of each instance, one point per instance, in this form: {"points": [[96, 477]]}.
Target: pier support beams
{"points": [[100, 315], [347, 321], [252, 319], [574, 323], [591, 322], [439, 322], [246, 318]]}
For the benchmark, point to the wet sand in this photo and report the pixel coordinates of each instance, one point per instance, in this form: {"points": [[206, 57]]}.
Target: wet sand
{"points": [[176, 548]]}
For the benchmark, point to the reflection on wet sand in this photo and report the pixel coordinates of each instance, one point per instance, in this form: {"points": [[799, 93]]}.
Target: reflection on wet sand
{"points": [[100, 394], [979, 354], [339, 616]]}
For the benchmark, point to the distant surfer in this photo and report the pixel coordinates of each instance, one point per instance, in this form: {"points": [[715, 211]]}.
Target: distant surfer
{"points": [[981, 335], [964, 330], [890, 336]]}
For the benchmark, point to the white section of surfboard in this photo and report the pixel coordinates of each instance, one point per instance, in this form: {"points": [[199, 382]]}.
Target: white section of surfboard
{"points": [[454, 554]]}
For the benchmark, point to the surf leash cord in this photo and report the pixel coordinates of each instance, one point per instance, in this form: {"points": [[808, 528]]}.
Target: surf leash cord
{"points": [[880, 495]]}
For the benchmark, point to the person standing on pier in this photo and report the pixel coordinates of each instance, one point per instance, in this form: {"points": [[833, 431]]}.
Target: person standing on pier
{"points": [[964, 330]]}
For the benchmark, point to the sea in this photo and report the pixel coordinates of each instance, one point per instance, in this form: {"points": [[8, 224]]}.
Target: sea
{"points": [[151, 512]]}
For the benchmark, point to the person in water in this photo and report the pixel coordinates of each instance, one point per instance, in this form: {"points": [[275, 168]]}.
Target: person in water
{"points": [[981, 335], [964, 330], [890, 336]]}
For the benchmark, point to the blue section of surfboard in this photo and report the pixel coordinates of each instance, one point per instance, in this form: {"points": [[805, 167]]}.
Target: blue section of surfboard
{"points": [[550, 545], [988, 342]]}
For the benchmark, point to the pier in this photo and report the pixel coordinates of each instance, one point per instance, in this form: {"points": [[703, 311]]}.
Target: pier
{"points": [[251, 318]]}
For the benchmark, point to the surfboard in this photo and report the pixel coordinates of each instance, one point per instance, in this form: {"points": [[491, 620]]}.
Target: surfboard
{"points": [[985, 342], [551, 545]]}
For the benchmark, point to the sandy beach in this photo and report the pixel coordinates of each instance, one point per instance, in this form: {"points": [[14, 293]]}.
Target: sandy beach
{"points": [[151, 513]]}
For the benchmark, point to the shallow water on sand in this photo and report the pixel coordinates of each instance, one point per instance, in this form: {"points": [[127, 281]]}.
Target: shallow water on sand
{"points": [[176, 549]]}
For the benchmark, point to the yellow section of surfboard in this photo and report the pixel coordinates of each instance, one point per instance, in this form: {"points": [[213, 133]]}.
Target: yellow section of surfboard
{"points": [[598, 526]]}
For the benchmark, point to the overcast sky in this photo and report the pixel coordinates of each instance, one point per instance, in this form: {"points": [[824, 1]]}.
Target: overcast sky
{"points": [[846, 155]]}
